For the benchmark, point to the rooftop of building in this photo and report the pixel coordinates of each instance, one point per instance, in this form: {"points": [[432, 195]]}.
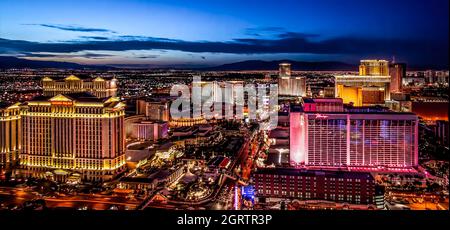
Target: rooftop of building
{"points": [[158, 175], [83, 77], [363, 77], [373, 60], [314, 173], [82, 97], [321, 99], [279, 133], [369, 110]]}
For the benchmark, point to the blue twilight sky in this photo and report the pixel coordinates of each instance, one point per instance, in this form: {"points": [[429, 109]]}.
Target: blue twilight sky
{"points": [[207, 32]]}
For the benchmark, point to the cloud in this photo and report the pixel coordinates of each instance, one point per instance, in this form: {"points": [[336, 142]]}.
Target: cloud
{"points": [[287, 43], [275, 32], [94, 37], [146, 56], [89, 55], [296, 34], [73, 28]]}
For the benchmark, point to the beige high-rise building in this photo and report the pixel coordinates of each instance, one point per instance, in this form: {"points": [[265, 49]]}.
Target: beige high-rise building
{"points": [[284, 69], [10, 135], [374, 68], [289, 85], [98, 86], [73, 134]]}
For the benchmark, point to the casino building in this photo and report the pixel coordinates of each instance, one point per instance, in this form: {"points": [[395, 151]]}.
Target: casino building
{"points": [[370, 87], [358, 138], [98, 86], [73, 133]]}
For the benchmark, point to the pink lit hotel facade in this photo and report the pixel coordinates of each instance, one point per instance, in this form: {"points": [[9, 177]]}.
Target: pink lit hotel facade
{"points": [[359, 140]]}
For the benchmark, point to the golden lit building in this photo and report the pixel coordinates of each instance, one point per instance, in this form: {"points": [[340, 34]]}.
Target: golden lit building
{"points": [[374, 68], [10, 133], [370, 87], [363, 90], [98, 86], [182, 122], [73, 134], [350, 94]]}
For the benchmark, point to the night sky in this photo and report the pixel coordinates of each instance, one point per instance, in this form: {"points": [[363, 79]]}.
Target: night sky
{"points": [[197, 33]]}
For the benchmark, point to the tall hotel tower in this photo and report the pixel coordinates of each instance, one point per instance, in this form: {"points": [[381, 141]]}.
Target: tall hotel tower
{"points": [[73, 133], [10, 133], [374, 68], [357, 138], [289, 85], [70, 131], [397, 72], [370, 87]]}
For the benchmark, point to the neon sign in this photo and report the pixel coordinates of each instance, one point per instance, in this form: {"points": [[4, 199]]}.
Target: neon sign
{"points": [[321, 116]]}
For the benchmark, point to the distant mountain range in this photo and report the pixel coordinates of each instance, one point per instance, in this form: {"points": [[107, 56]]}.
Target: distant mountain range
{"points": [[7, 62]]}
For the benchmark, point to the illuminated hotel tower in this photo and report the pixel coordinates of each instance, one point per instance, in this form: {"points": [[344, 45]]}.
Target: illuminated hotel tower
{"points": [[98, 86], [370, 87], [285, 69], [353, 139], [10, 133], [288, 85], [397, 72], [374, 68], [73, 133]]}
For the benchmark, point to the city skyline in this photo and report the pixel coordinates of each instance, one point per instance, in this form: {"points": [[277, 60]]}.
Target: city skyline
{"points": [[224, 105], [202, 34]]}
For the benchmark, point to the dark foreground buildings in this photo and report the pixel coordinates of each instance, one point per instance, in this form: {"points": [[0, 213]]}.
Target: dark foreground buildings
{"points": [[337, 186]]}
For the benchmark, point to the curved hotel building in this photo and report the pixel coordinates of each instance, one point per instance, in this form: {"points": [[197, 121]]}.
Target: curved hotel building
{"points": [[73, 133], [75, 128]]}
